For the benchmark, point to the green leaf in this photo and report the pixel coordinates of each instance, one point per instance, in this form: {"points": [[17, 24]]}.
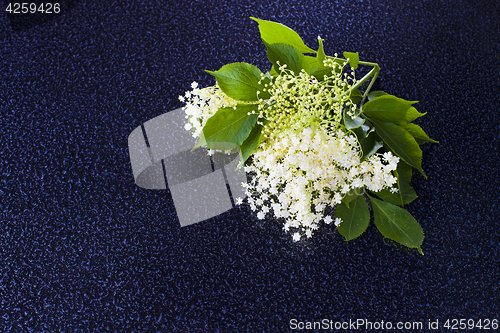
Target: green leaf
{"points": [[285, 54], [317, 69], [272, 32], [353, 59], [273, 71], [388, 196], [418, 133], [355, 219], [356, 96], [321, 71], [370, 145], [351, 123], [395, 198], [229, 125], [397, 224], [375, 94], [362, 132], [310, 64], [392, 109], [406, 193], [251, 143], [320, 55], [350, 196], [240, 81], [400, 142]]}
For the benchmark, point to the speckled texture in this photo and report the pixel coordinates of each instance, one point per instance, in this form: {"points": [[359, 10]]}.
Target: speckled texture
{"points": [[83, 249]]}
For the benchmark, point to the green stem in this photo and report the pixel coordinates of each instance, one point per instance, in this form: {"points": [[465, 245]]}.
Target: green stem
{"points": [[366, 63], [377, 70], [374, 72]]}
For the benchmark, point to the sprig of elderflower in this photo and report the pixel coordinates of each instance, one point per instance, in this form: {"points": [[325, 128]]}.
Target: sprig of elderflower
{"points": [[300, 138], [201, 104], [297, 175], [300, 101]]}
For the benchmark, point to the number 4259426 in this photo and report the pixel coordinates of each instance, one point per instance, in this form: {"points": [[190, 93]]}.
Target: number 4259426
{"points": [[25, 8]]}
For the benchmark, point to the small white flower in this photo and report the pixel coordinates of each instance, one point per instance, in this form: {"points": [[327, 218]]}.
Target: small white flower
{"points": [[338, 221], [261, 215], [357, 183], [391, 166], [296, 237], [337, 199], [239, 201], [320, 207], [328, 219], [394, 190], [351, 140], [194, 85]]}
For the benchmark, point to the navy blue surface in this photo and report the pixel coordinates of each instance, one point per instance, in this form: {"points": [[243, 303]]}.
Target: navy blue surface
{"points": [[83, 249]]}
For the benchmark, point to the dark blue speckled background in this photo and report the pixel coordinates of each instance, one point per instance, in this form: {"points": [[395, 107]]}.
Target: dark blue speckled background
{"points": [[83, 249]]}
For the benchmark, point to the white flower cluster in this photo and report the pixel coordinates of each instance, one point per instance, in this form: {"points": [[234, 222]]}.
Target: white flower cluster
{"points": [[201, 104], [300, 171], [296, 176]]}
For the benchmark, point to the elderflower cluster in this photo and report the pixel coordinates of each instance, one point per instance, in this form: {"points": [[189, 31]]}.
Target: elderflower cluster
{"points": [[201, 104], [298, 175], [306, 164], [300, 101]]}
